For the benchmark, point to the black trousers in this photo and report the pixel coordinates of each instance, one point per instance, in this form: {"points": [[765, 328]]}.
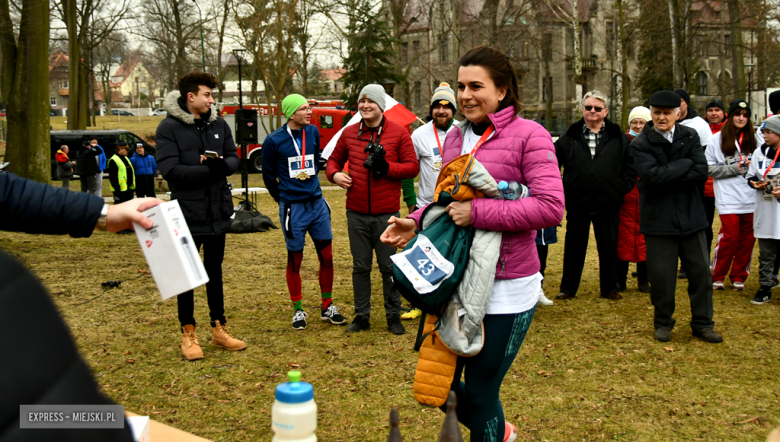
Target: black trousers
{"points": [[121, 197], [144, 186], [621, 271], [605, 226], [662, 254], [709, 210], [542, 250], [213, 255]]}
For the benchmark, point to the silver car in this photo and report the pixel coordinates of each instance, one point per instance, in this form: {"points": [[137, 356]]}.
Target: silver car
{"points": [[159, 112]]}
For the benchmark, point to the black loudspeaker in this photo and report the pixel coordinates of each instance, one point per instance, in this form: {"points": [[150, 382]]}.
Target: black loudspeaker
{"points": [[246, 126]]}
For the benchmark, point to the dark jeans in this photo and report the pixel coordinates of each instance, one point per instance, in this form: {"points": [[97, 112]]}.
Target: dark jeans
{"points": [[767, 257], [121, 197], [89, 184], [479, 404], [542, 250], [605, 226], [621, 271], [662, 254], [213, 255], [364, 232], [144, 186]]}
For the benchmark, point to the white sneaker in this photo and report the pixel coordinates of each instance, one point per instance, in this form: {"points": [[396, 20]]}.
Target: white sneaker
{"points": [[543, 299]]}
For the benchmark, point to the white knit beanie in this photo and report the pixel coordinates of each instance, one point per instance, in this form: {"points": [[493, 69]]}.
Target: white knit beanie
{"points": [[640, 112], [444, 93]]}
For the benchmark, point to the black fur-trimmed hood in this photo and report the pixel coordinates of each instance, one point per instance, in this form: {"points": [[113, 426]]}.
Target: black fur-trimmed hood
{"points": [[171, 104]]}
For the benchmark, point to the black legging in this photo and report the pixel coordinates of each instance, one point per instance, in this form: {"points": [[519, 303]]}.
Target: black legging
{"points": [[621, 271], [479, 407], [213, 255]]}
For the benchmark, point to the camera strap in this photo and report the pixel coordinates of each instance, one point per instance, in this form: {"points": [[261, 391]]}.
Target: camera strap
{"points": [[378, 132]]}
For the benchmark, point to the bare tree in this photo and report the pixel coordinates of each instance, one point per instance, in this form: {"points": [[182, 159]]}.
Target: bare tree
{"points": [[171, 26], [567, 12], [25, 80]]}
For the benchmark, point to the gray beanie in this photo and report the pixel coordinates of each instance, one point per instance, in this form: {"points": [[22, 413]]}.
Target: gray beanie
{"points": [[445, 96], [375, 93], [772, 123]]}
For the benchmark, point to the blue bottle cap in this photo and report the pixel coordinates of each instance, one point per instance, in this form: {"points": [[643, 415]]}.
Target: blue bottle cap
{"points": [[503, 185], [295, 391]]}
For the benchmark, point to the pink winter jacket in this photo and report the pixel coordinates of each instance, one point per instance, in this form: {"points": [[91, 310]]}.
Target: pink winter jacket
{"points": [[523, 151]]}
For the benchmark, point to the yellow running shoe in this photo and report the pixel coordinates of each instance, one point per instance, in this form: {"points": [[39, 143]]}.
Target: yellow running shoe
{"points": [[412, 314]]}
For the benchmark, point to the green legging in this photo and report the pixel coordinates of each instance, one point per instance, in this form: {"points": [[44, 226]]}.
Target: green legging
{"points": [[479, 407]]}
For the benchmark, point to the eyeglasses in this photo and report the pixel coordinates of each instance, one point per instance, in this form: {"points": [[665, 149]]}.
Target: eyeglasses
{"points": [[594, 108], [306, 110]]}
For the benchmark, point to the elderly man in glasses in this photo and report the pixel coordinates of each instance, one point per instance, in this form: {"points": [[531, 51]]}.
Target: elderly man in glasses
{"points": [[597, 173]]}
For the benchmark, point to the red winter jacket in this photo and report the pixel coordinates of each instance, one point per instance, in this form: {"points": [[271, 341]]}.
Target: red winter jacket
{"points": [[631, 243], [369, 195]]}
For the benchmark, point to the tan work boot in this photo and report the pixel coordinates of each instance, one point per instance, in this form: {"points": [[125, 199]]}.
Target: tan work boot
{"points": [[221, 337], [189, 344]]}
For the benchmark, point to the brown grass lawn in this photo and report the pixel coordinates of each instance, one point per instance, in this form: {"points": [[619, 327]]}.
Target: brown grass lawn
{"points": [[588, 370]]}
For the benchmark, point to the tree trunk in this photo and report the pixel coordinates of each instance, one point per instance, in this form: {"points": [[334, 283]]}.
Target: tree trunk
{"points": [[77, 115], [26, 84], [738, 60], [675, 44], [578, 77]]}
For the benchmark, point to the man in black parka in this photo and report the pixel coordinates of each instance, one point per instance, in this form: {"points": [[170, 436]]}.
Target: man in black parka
{"points": [[672, 171], [597, 173], [199, 183]]}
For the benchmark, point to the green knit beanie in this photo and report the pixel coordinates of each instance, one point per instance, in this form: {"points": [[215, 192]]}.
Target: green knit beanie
{"points": [[291, 103]]}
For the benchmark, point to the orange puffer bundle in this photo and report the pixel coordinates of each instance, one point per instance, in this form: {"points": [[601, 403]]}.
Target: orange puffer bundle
{"points": [[453, 179], [435, 368]]}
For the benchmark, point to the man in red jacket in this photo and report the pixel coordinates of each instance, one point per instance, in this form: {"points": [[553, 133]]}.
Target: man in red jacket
{"points": [[380, 154]]}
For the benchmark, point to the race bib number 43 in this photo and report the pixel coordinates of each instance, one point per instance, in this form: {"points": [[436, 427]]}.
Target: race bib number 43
{"points": [[424, 266]]}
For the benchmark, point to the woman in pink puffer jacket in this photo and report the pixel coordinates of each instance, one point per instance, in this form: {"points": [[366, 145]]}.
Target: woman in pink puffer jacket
{"points": [[511, 148]]}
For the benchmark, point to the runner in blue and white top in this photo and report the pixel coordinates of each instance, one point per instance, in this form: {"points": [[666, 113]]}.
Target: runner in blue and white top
{"points": [[291, 157]]}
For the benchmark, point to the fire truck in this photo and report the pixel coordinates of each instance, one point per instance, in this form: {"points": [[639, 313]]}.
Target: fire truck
{"points": [[328, 116]]}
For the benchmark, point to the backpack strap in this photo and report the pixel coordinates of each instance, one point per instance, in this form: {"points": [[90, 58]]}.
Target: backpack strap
{"points": [[422, 337]]}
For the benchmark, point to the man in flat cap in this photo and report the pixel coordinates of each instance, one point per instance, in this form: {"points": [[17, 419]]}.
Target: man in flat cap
{"points": [[672, 168]]}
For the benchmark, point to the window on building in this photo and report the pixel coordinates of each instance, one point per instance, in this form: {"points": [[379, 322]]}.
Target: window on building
{"points": [[547, 88], [701, 83], [63, 84], [727, 44], [404, 52], [701, 43], [416, 51], [53, 101], [417, 93], [547, 47], [444, 48]]}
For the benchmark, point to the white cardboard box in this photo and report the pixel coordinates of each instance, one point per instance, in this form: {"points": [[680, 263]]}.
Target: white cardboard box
{"points": [[170, 251], [139, 426]]}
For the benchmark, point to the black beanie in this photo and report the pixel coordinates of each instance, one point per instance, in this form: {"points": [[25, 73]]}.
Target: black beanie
{"points": [[739, 104], [774, 102], [684, 95], [715, 103]]}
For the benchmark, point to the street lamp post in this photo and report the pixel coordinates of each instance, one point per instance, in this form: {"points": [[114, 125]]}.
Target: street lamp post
{"points": [[749, 69], [202, 46], [244, 162]]}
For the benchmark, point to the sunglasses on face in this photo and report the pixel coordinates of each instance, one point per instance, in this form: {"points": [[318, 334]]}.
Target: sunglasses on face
{"points": [[594, 108]]}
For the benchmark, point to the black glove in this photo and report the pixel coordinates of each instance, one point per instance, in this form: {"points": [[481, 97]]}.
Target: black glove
{"points": [[217, 168], [381, 167]]}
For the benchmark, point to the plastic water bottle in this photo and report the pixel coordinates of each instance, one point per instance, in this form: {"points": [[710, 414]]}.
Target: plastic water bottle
{"points": [[512, 190], [294, 413]]}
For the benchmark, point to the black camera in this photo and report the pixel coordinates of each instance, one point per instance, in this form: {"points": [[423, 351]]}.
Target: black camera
{"points": [[374, 150]]}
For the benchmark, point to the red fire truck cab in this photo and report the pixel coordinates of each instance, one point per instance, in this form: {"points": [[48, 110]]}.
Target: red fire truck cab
{"points": [[326, 116]]}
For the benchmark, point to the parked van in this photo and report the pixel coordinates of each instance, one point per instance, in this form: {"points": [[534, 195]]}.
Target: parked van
{"points": [[107, 139]]}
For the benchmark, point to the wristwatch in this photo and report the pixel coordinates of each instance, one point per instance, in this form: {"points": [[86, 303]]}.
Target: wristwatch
{"points": [[101, 224]]}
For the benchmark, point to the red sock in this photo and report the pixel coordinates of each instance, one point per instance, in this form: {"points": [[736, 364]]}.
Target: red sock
{"points": [[294, 260], [325, 255]]}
